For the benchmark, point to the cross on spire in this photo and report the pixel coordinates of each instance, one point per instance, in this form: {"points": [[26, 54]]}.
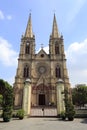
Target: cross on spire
{"points": [[54, 11], [41, 45], [30, 11]]}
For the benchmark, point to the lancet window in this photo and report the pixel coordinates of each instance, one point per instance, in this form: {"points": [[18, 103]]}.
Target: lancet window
{"points": [[27, 48], [57, 49], [58, 72], [26, 72]]}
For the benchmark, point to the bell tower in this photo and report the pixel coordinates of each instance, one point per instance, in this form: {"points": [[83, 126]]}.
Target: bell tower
{"points": [[26, 55], [28, 41], [57, 55], [56, 41]]}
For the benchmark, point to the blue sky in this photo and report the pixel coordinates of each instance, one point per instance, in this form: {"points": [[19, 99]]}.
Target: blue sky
{"points": [[71, 18]]}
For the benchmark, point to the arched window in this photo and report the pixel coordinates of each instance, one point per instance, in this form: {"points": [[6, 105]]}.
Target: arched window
{"points": [[57, 49], [26, 71], [58, 72], [27, 48]]}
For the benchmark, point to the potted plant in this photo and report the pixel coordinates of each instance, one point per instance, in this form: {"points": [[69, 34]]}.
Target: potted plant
{"points": [[20, 114]]}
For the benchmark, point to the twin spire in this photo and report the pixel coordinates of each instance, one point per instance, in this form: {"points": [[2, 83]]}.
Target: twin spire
{"points": [[29, 30], [55, 33]]}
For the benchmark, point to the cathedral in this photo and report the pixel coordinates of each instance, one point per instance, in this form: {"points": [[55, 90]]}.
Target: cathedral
{"points": [[40, 77]]}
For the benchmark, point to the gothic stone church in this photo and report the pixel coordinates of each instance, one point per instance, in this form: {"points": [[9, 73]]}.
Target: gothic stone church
{"points": [[38, 74]]}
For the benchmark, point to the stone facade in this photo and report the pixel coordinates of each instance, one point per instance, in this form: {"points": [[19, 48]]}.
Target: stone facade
{"points": [[44, 70]]}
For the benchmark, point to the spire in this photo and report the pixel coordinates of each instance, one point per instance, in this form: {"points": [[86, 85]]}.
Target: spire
{"points": [[29, 32], [55, 33]]}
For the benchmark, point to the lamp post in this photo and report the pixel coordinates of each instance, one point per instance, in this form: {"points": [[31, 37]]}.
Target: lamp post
{"points": [[27, 97]]}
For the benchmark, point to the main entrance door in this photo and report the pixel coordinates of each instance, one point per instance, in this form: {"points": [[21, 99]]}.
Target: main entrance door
{"points": [[41, 99]]}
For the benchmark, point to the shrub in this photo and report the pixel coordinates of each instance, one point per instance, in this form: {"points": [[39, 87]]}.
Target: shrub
{"points": [[69, 107], [63, 115], [7, 101], [20, 114], [6, 116], [70, 113]]}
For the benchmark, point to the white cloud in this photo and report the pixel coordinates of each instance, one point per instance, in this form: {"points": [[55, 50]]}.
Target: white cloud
{"points": [[46, 49], [8, 56], [1, 15], [9, 17], [77, 62]]}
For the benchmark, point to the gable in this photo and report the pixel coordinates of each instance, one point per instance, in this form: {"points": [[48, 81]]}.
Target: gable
{"points": [[42, 55]]}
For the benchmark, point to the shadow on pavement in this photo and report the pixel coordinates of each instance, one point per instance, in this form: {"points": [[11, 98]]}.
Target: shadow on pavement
{"points": [[50, 119], [84, 121]]}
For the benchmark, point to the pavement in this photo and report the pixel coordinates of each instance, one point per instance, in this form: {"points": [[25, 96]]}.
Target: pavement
{"points": [[44, 124]]}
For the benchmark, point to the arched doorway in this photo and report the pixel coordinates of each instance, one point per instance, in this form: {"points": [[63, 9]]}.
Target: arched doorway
{"points": [[43, 95], [42, 99]]}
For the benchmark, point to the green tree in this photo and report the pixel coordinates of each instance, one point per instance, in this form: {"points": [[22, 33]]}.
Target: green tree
{"points": [[1, 99], [7, 91], [79, 95], [69, 107]]}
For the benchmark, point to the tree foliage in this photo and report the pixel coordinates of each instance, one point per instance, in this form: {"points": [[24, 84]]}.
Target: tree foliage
{"points": [[6, 91], [1, 100], [79, 95], [69, 107]]}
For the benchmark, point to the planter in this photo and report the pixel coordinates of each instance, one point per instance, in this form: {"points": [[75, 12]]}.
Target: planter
{"points": [[21, 118], [63, 118], [6, 119], [70, 118]]}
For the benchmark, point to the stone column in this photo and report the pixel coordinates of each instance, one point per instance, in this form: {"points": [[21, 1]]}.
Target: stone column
{"points": [[60, 96], [27, 97]]}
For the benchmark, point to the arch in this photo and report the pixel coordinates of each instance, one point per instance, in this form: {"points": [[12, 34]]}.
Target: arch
{"points": [[43, 88], [26, 72], [58, 72]]}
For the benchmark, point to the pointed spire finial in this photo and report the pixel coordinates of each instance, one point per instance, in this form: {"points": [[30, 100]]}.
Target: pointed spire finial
{"points": [[54, 11], [30, 11], [55, 33], [41, 45], [29, 31]]}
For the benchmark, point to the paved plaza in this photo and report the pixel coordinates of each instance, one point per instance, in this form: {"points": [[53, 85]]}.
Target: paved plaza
{"points": [[44, 124]]}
